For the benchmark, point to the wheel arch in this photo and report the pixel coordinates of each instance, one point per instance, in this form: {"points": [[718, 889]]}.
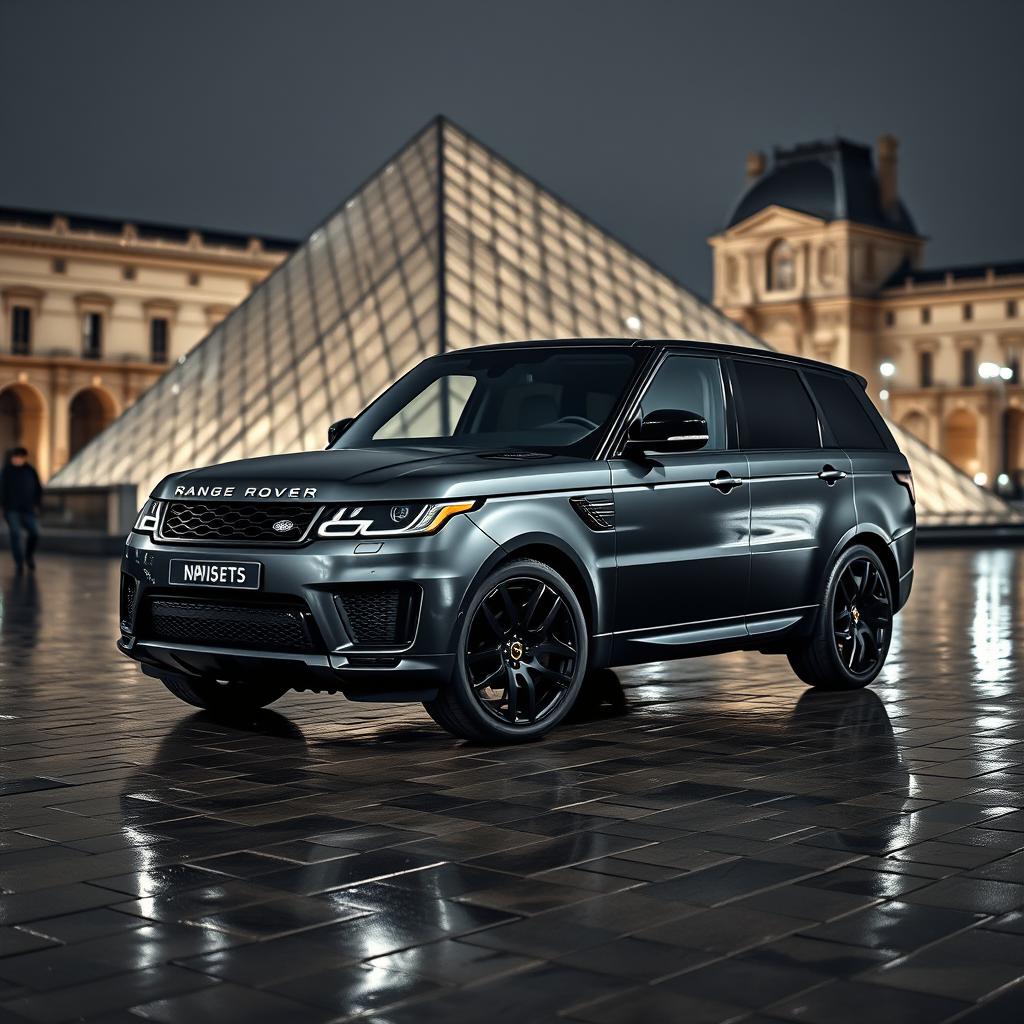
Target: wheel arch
{"points": [[560, 557], [876, 541], [567, 566]]}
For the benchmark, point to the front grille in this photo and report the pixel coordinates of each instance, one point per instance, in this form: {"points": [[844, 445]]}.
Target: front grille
{"points": [[129, 589], [265, 627], [379, 614], [234, 523]]}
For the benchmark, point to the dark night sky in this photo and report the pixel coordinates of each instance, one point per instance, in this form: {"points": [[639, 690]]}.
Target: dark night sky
{"points": [[260, 116]]}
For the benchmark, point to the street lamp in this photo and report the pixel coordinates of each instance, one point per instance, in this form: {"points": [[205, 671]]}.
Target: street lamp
{"points": [[887, 370], [1000, 376]]}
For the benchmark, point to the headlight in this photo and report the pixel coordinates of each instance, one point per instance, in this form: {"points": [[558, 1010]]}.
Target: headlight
{"points": [[146, 522], [396, 520]]}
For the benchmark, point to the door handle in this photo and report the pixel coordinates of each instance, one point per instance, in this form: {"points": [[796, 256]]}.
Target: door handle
{"points": [[830, 474], [725, 481]]}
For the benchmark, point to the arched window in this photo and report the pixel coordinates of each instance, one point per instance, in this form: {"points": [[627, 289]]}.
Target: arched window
{"points": [[961, 441], [91, 411], [22, 422], [916, 423], [781, 267]]}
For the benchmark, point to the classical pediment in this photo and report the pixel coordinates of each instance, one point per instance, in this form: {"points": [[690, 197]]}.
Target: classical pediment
{"points": [[774, 220]]}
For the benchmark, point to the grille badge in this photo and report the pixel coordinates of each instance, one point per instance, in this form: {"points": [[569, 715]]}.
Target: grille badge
{"points": [[283, 526]]}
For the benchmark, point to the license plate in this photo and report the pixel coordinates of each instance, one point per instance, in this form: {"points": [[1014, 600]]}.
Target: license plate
{"points": [[189, 572]]}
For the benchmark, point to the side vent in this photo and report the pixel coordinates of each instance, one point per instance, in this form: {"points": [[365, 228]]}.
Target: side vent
{"points": [[597, 513]]}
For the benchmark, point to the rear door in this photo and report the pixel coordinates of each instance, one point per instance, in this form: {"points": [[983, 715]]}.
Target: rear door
{"points": [[681, 531], [801, 492], [884, 506]]}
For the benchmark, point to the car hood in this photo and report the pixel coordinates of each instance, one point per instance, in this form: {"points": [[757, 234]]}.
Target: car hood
{"points": [[391, 474]]}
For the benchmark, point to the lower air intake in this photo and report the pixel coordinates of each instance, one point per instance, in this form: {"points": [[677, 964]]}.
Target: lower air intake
{"points": [[129, 590], [225, 624], [379, 614]]}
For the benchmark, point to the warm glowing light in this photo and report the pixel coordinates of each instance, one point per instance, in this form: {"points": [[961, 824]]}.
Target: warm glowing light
{"points": [[884, 394], [634, 323], [988, 370], [887, 369], [981, 479]]}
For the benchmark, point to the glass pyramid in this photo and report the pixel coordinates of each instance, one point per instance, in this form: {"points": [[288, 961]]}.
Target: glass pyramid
{"points": [[446, 246]]}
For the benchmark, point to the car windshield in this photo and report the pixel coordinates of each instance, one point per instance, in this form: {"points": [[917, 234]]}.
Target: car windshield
{"points": [[540, 399]]}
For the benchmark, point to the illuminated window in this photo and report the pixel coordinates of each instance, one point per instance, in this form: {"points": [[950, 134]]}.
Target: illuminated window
{"points": [[92, 335], [158, 328], [926, 369], [968, 368], [21, 330]]}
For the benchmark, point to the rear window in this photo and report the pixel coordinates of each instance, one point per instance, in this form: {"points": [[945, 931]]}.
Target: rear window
{"points": [[775, 410], [850, 421]]}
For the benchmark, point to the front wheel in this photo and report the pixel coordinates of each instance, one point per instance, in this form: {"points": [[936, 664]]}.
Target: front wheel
{"points": [[521, 657], [853, 630], [223, 696]]}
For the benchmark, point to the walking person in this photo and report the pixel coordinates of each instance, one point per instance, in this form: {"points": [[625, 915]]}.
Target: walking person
{"points": [[21, 496]]}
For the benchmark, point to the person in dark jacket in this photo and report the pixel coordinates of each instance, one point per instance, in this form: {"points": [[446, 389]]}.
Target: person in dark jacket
{"points": [[21, 495]]}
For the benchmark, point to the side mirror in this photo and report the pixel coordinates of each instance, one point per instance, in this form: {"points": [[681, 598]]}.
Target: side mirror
{"points": [[336, 429], [667, 432]]}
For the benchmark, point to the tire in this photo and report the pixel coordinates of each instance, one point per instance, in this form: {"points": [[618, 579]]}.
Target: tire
{"points": [[524, 630], [853, 628], [223, 697]]}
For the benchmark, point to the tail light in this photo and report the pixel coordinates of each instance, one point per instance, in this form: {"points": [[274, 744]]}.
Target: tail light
{"points": [[906, 479]]}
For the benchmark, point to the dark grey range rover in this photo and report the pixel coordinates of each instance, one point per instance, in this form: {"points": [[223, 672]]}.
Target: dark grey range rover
{"points": [[506, 520]]}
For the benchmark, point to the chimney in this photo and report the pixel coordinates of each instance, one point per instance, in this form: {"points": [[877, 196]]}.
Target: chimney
{"points": [[755, 165], [886, 159]]}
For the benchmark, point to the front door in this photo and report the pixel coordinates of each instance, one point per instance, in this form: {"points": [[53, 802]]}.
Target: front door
{"points": [[801, 493], [681, 530]]}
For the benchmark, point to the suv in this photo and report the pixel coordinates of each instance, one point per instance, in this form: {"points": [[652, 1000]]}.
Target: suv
{"points": [[505, 520]]}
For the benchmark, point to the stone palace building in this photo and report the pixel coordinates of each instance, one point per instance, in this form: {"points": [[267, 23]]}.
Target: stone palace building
{"points": [[821, 257]]}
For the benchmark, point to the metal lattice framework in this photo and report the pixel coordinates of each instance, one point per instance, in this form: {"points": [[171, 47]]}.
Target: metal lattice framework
{"points": [[448, 245]]}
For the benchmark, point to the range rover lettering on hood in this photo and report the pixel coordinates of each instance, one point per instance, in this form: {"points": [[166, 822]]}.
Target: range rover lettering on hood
{"points": [[219, 491]]}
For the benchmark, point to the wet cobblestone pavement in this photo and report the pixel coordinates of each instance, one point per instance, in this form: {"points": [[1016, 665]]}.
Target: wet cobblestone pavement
{"points": [[707, 841]]}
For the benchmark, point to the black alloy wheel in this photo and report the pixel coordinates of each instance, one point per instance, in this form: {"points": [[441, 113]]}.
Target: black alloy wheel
{"points": [[853, 629], [861, 616], [521, 651], [521, 658]]}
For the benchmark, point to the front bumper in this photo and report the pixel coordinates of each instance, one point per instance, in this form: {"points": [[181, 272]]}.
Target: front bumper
{"points": [[443, 566]]}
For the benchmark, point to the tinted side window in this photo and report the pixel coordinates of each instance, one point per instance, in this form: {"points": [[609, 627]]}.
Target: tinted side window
{"points": [[851, 425], [775, 410], [690, 384]]}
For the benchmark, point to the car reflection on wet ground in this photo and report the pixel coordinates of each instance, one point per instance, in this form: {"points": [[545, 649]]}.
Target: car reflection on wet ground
{"points": [[705, 841]]}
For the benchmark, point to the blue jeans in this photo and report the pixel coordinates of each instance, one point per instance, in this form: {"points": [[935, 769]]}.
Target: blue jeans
{"points": [[18, 523]]}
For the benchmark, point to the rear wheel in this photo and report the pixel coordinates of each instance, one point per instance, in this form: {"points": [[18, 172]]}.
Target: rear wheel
{"points": [[223, 695], [854, 626], [521, 658]]}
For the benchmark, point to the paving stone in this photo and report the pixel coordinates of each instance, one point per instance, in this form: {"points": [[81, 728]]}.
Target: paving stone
{"points": [[712, 843]]}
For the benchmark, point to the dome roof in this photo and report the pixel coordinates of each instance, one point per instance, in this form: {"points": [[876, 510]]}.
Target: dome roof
{"points": [[833, 180]]}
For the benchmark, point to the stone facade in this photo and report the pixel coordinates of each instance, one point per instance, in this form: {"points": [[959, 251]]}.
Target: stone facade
{"points": [[93, 311]]}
